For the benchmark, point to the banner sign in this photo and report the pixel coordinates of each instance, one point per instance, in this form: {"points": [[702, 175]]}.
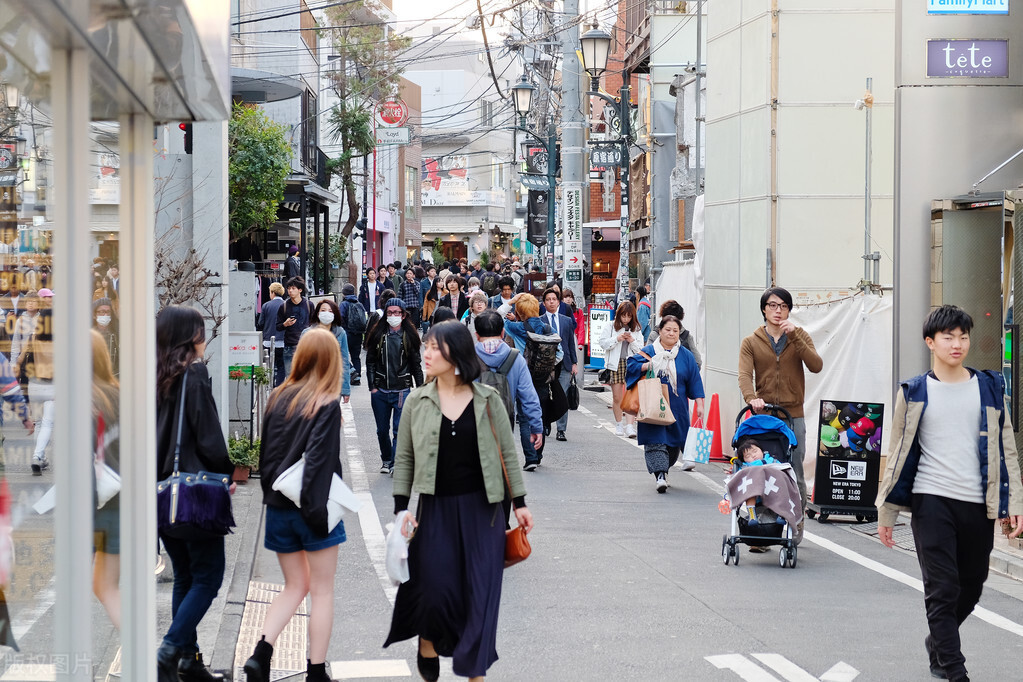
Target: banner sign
{"points": [[536, 160], [967, 6], [599, 318], [967, 58], [530, 181], [848, 454], [536, 218], [572, 231]]}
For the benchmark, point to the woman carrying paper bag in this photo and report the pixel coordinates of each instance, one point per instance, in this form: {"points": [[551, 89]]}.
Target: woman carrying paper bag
{"points": [[302, 422], [676, 368]]}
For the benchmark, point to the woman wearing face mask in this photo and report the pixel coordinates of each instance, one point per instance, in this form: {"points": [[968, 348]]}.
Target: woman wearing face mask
{"points": [[393, 363], [328, 317], [104, 321]]}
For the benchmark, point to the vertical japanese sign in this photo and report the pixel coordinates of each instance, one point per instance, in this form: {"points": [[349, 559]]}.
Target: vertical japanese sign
{"points": [[572, 229]]}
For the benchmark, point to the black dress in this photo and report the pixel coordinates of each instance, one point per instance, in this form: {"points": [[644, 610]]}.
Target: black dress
{"points": [[456, 560]]}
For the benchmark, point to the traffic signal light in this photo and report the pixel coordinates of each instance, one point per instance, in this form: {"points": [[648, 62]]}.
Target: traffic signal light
{"points": [[187, 128]]}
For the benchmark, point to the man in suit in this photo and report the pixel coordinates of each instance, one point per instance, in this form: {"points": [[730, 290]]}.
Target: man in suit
{"points": [[565, 327]]}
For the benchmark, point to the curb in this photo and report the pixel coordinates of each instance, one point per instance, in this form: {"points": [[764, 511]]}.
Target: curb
{"points": [[251, 514], [1006, 564]]}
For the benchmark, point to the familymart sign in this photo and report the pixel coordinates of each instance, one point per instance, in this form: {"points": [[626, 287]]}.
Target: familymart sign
{"points": [[967, 6]]}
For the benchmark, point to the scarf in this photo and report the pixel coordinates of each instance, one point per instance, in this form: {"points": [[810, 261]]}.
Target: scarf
{"points": [[663, 363]]}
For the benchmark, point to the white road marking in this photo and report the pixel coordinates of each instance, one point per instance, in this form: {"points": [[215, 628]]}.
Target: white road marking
{"points": [[369, 519], [840, 672], [741, 666], [784, 667], [357, 670]]}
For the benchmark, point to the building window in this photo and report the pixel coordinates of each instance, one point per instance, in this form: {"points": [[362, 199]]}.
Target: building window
{"points": [[486, 113], [497, 173], [411, 190]]}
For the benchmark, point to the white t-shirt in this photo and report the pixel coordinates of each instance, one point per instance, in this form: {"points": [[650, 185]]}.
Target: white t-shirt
{"points": [[949, 440]]}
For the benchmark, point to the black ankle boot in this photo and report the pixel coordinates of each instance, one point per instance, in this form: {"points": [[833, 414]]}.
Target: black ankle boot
{"points": [[429, 668], [257, 668], [167, 663], [316, 672], [192, 669]]}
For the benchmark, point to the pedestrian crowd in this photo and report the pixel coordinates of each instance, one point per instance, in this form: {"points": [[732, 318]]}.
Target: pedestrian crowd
{"points": [[454, 358]]}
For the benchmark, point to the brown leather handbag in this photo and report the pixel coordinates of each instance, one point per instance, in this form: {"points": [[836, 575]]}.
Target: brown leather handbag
{"points": [[516, 544], [630, 399]]}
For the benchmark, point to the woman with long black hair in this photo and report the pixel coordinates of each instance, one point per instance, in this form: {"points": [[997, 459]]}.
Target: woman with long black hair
{"points": [[198, 561], [393, 363], [456, 559]]}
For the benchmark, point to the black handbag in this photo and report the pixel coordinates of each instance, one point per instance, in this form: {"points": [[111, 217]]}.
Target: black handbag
{"points": [[572, 395], [193, 506]]}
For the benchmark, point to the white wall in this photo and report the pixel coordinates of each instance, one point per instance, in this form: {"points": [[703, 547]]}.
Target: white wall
{"points": [[824, 58]]}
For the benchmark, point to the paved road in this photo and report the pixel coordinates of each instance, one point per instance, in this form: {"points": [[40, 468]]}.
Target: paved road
{"points": [[628, 584]]}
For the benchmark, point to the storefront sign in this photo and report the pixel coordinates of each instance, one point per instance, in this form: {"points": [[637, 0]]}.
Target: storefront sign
{"points": [[462, 197], [244, 348], [387, 136], [967, 58], [391, 113], [572, 230], [967, 6], [605, 155], [848, 454], [599, 318]]}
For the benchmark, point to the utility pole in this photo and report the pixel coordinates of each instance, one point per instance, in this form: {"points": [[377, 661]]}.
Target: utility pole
{"points": [[573, 152]]}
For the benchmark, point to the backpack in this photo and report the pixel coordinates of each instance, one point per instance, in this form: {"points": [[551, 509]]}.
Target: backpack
{"points": [[489, 283], [542, 356], [356, 319], [498, 380]]}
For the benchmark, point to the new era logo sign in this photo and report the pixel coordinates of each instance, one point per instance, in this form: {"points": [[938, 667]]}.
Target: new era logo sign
{"points": [[838, 470]]}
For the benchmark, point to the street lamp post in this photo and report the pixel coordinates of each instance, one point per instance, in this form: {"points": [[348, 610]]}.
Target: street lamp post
{"points": [[522, 98], [596, 48]]}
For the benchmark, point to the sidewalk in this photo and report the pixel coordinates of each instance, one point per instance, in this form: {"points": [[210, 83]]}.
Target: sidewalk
{"points": [[1006, 558]]}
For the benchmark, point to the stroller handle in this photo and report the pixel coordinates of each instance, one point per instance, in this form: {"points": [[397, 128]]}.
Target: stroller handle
{"points": [[775, 410]]}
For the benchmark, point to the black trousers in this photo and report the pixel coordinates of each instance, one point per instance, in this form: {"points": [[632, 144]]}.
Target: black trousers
{"points": [[355, 352], [953, 544]]}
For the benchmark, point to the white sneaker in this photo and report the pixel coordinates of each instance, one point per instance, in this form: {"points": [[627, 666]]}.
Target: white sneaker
{"points": [[688, 465], [662, 483], [630, 430], [619, 429]]}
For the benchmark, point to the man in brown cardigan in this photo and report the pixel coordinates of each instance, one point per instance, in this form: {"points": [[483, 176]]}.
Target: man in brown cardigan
{"points": [[771, 363]]}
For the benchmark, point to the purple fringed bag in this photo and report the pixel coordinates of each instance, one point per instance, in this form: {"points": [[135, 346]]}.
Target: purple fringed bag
{"points": [[193, 506]]}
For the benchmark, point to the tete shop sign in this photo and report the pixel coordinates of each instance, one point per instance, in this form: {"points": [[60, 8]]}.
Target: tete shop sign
{"points": [[967, 58], [967, 6]]}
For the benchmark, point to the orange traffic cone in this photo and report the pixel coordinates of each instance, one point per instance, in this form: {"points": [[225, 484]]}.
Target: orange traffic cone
{"points": [[714, 424]]}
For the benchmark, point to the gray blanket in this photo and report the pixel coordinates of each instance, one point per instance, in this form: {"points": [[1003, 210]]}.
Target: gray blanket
{"points": [[774, 484]]}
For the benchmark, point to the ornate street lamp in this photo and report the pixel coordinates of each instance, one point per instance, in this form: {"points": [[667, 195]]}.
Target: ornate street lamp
{"points": [[522, 97], [596, 48], [11, 96]]}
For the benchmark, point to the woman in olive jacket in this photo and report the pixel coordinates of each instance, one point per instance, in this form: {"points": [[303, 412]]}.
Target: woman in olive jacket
{"points": [[454, 462]]}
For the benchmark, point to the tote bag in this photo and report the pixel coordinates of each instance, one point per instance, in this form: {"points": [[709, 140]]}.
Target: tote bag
{"points": [[653, 403], [698, 442]]}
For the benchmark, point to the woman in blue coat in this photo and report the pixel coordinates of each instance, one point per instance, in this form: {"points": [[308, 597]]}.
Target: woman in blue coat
{"points": [[674, 365]]}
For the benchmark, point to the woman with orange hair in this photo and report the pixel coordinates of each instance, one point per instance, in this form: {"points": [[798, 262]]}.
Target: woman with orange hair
{"points": [[303, 420]]}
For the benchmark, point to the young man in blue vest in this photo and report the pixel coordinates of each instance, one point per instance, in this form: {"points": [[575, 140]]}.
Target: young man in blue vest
{"points": [[952, 462]]}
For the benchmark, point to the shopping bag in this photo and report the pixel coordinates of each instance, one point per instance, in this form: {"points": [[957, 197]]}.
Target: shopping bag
{"points": [[653, 403], [396, 559], [698, 442], [340, 497]]}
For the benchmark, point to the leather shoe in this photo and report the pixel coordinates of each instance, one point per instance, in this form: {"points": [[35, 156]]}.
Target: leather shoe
{"points": [[561, 436], [429, 668]]}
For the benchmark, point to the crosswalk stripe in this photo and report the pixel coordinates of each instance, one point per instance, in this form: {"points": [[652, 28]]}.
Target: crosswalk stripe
{"points": [[741, 666], [357, 670], [784, 667]]}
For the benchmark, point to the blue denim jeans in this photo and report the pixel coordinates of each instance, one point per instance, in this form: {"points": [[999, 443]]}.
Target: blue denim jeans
{"points": [[289, 352], [198, 574], [387, 413], [527, 447]]}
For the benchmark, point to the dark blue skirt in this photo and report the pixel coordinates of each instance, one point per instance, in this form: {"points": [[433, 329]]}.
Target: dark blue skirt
{"points": [[456, 564]]}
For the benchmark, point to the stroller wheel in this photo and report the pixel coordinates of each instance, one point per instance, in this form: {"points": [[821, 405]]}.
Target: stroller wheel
{"points": [[792, 556], [726, 550], [783, 556], [735, 554], [811, 513]]}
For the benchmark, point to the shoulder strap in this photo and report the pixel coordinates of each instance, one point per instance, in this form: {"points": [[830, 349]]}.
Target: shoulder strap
{"points": [[508, 362], [181, 420], [500, 456]]}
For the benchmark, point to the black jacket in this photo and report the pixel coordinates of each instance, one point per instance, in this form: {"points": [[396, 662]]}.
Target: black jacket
{"points": [[391, 364], [303, 312], [364, 297], [202, 442], [292, 268], [282, 444], [463, 304]]}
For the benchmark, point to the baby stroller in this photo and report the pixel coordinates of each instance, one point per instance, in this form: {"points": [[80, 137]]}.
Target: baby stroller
{"points": [[775, 436]]}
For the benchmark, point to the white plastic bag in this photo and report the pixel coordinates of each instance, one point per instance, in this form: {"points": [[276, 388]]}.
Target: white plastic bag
{"points": [[396, 560]]}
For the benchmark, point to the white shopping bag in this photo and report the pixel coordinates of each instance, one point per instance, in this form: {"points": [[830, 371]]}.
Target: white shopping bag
{"points": [[396, 560]]}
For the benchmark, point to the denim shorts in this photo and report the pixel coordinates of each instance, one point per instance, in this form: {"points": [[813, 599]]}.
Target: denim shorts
{"points": [[287, 532]]}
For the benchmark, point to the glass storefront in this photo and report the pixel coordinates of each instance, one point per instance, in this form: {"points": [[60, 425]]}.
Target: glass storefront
{"points": [[80, 89]]}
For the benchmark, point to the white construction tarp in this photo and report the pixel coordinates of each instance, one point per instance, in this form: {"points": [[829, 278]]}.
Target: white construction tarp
{"points": [[854, 338], [683, 282]]}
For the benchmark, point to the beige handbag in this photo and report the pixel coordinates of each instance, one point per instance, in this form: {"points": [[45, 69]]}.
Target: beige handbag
{"points": [[653, 403]]}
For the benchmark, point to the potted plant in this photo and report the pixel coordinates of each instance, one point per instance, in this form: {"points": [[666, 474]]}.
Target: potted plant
{"points": [[244, 455]]}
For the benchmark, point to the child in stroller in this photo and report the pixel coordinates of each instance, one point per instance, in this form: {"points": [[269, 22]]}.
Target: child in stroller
{"points": [[751, 454]]}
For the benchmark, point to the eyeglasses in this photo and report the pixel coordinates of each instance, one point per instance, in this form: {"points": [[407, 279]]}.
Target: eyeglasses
{"points": [[778, 306]]}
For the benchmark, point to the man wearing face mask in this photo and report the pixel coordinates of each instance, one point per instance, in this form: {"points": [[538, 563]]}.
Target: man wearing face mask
{"points": [[393, 363], [104, 321]]}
